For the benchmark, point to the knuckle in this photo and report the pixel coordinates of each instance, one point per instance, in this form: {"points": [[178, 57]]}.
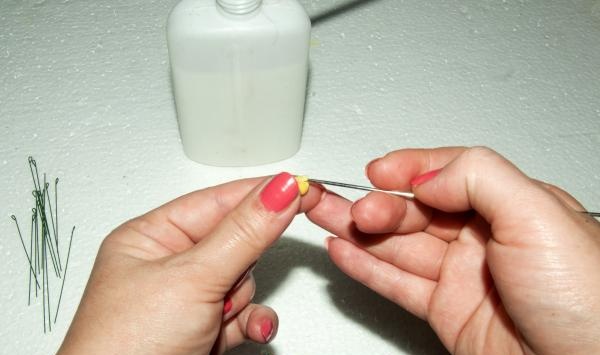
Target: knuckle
{"points": [[220, 199], [115, 237], [555, 189], [478, 162], [481, 153], [479, 159]]}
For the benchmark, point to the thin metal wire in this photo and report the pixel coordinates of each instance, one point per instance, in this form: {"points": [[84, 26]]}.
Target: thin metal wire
{"points": [[409, 195], [44, 249], [30, 256], [53, 230], [41, 207], [56, 213], [48, 294], [64, 275], [14, 218], [404, 194], [44, 275]]}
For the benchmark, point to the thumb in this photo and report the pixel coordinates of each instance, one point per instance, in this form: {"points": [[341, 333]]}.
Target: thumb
{"points": [[482, 180], [249, 230]]}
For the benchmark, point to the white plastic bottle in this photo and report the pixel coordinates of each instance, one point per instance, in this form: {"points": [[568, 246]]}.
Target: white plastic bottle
{"points": [[239, 70]]}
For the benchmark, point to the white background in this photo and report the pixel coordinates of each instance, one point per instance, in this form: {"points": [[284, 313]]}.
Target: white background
{"points": [[84, 88]]}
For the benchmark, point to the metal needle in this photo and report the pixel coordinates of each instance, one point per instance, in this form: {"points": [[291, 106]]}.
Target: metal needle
{"points": [[409, 195]]}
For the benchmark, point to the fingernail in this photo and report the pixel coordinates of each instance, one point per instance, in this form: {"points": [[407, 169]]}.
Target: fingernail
{"points": [[227, 305], [266, 329], [280, 192], [421, 179], [243, 277], [327, 241]]}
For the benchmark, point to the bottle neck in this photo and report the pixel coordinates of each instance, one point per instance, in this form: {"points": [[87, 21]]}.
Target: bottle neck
{"points": [[239, 7]]}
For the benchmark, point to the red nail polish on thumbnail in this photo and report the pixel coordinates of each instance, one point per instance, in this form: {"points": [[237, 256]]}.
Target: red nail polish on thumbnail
{"points": [[279, 192]]}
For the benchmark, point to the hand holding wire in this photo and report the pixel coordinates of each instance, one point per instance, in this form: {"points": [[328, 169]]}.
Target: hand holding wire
{"points": [[484, 253]]}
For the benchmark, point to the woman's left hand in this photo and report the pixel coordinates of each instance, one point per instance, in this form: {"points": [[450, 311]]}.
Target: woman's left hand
{"points": [[177, 280]]}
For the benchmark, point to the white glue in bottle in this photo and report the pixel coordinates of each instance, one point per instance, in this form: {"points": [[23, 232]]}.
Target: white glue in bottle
{"points": [[239, 70]]}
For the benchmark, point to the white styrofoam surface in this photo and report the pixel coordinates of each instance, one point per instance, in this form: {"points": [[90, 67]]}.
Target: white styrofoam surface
{"points": [[84, 87]]}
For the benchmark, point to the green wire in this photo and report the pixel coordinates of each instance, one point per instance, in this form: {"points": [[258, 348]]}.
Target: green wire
{"points": [[64, 274], [24, 248]]}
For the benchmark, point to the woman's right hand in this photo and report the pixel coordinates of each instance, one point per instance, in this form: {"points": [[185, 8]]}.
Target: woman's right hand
{"points": [[496, 262]]}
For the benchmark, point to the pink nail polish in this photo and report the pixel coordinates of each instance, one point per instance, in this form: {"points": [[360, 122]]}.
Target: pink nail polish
{"points": [[227, 305], [266, 330], [421, 179], [280, 192]]}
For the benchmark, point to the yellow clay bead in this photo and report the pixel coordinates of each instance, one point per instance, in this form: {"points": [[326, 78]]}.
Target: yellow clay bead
{"points": [[303, 184]]}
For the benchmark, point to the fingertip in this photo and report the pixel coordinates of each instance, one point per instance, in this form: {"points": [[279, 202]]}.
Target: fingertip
{"points": [[262, 325], [378, 213], [369, 166], [392, 173], [254, 322]]}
